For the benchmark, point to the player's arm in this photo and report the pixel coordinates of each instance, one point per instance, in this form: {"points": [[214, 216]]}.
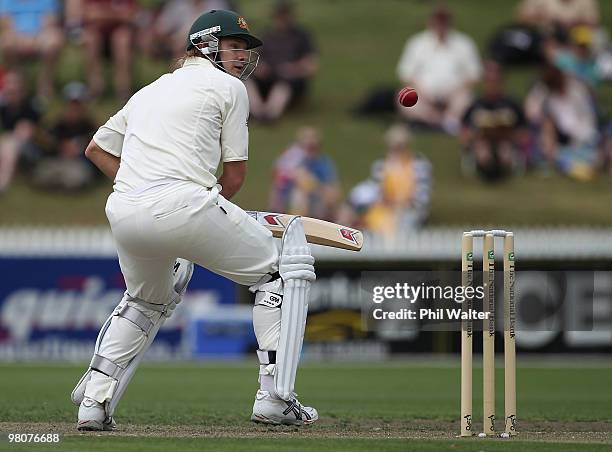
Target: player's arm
{"points": [[105, 162], [234, 139], [104, 150], [232, 178]]}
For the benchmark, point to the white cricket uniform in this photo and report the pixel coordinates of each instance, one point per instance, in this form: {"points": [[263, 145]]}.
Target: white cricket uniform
{"points": [[171, 137]]}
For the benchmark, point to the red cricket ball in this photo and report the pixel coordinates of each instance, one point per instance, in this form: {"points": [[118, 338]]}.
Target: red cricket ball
{"points": [[407, 96]]}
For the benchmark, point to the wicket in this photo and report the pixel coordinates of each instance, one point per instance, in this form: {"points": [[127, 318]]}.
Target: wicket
{"points": [[488, 333]]}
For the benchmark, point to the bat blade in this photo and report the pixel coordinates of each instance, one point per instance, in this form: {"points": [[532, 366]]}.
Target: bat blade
{"points": [[319, 232]]}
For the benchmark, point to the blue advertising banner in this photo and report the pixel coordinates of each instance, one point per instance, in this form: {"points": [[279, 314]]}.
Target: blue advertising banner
{"points": [[52, 308]]}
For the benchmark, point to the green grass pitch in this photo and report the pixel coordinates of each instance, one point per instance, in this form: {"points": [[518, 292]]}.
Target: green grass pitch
{"points": [[404, 405]]}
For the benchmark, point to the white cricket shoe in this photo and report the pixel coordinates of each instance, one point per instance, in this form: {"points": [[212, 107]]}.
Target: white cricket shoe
{"points": [[269, 409], [92, 416]]}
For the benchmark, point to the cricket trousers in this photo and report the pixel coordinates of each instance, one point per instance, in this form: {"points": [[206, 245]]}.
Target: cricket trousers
{"points": [[152, 228]]}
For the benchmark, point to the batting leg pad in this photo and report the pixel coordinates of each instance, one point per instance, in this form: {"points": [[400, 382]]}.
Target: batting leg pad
{"points": [[297, 272], [122, 342]]}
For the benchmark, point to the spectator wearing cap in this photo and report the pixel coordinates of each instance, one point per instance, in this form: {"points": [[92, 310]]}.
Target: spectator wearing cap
{"points": [[65, 166], [109, 32], [443, 65], [31, 29], [287, 64], [19, 127], [305, 180], [578, 58], [493, 131]]}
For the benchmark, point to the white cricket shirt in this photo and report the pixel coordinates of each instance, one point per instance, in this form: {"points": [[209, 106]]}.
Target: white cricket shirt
{"points": [[180, 127], [437, 68]]}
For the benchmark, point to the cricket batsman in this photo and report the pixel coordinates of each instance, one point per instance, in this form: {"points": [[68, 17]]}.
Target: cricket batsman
{"points": [[168, 211]]}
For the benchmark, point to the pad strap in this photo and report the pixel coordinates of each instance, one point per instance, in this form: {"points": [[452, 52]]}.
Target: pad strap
{"points": [[106, 366], [165, 309], [136, 317], [266, 357]]}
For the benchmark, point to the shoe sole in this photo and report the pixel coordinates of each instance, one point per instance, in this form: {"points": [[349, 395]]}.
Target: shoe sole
{"points": [[93, 426], [260, 419], [90, 426]]}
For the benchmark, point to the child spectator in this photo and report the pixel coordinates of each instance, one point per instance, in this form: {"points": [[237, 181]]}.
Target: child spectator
{"points": [[109, 31], [305, 181], [561, 109], [30, 28], [19, 118], [493, 129], [65, 167], [288, 62], [442, 65]]}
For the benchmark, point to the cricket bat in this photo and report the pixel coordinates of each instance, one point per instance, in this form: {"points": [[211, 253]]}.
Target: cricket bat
{"points": [[319, 232]]}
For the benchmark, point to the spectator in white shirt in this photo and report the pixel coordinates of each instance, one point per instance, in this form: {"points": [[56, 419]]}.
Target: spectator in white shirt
{"points": [[442, 65]]}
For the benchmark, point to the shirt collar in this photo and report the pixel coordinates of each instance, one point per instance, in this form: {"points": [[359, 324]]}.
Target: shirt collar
{"points": [[197, 61]]}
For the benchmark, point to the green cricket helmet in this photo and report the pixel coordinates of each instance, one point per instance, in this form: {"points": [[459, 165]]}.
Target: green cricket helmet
{"points": [[219, 24], [210, 27]]}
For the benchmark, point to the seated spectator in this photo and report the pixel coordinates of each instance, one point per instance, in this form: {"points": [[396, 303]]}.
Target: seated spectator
{"points": [[164, 34], [405, 187], [305, 181], [109, 31], [30, 28], [288, 61], [578, 58], [562, 111], [65, 166], [19, 118], [397, 194], [443, 65], [563, 14], [493, 129]]}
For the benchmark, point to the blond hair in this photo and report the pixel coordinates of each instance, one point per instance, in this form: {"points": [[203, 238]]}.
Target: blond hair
{"points": [[191, 53]]}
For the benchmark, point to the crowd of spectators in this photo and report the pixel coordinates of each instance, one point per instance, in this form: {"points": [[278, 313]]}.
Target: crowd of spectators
{"points": [[557, 126]]}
